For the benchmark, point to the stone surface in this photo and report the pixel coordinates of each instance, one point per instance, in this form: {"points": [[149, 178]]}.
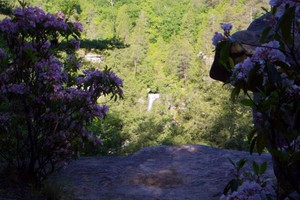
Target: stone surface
{"points": [[155, 173]]}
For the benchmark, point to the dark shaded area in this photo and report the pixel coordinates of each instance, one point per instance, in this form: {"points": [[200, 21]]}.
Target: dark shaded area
{"points": [[5, 7], [109, 130], [113, 43]]}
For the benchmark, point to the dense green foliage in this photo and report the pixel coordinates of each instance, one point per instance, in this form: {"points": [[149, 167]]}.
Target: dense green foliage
{"points": [[164, 38]]}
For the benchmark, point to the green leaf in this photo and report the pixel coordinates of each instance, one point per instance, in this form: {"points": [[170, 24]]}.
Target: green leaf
{"points": [[241, 163], [251, 135], [235, 93], [265, 9], [274, 76], [234, 184], [283, 156], [247, 102], [224, 54], [282, 64], [255, 168], [227, 188], [231, 161], [263, 168], [252, 145], [264, 35], [295, 157], [285, 24], [261, 142], [231, 62]]}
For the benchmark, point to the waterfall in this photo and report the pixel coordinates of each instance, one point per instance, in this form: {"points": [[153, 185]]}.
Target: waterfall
{"points": [[151, 98]]}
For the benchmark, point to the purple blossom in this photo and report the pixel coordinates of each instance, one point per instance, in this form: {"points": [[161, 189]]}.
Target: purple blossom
{"points": [[249, 190], [242, 70], [7, 26], [29, 47], [70, 57], [58, 107], [226, 27], [78, 26], [285, 81], [60, 15], [115, 78], [99, 111], [269, 52], [284, 3], [293, 91], [46, 45], [72, 60], [75, 44], [15, 88], [49, 69], [19, 12], [217, 38], [281, 5], [52, 22], [28, 18], [275, 2]]}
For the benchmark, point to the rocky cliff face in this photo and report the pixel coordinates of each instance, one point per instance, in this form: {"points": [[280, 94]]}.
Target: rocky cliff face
{"points": [[163, 173]]}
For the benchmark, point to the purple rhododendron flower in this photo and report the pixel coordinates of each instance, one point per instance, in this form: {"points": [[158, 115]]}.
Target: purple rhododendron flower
{"points": [[15, 88], [62, 100], [34, 16], [60, 15], [99, 111], [293, 92], [269, 53], [52, 22], [115, 78], [7, 26], [242, 70], [275, 2], [249, 190], [75, 44], [282, 4], [78, 26], [217, 38], [226, 27], [19, 12], [45, 47]]}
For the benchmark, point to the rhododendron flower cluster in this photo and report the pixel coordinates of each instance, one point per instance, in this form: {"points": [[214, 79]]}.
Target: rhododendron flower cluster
{"points": [[219, 36], [282, 4], [267, 72], [46, 103], [268, 53], [250, 190]]}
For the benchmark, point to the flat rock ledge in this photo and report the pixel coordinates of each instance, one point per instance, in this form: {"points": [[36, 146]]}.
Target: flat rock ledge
{"points": [[185, 172]]}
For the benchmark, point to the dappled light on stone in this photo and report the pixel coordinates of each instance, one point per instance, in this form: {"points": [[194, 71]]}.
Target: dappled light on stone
{"points": [[163, 172]]}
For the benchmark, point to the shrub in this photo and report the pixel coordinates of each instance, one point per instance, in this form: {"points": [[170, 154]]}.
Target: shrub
{"points": [[46, 102], [271, 73]]}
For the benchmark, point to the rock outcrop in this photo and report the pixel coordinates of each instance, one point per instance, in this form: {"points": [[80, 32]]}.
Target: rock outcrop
{"points": [[185, 172]]}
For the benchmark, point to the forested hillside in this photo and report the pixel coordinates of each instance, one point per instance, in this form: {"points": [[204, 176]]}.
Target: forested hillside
{"points": [[163, 46]]}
